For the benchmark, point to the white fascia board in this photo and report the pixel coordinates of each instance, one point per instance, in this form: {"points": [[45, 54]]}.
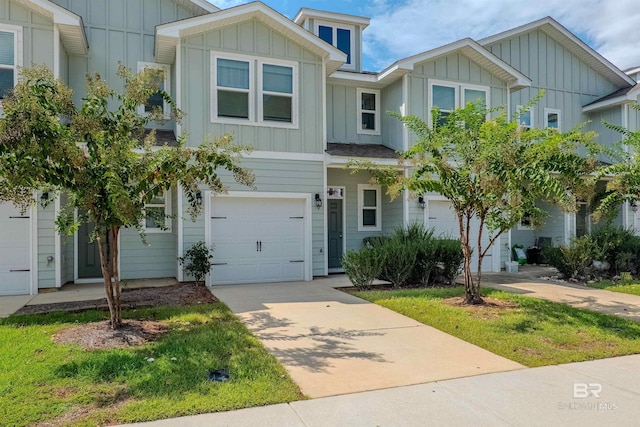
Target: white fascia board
{"points": [[557, 26], [204, 4], [306, 13], [69, 24], [619, 100], [376, 81], [244, 12]]}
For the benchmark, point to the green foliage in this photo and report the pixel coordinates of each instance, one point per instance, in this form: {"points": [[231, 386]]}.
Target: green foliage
{"points": [[362, 267], [492, 170], [197, 260], [573, 261], [398, 258], [449, 258], [618, 246]]}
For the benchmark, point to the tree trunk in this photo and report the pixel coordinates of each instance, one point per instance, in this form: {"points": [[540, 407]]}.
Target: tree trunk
{"points": [[471, 289], [106, 264], [115, 231]]}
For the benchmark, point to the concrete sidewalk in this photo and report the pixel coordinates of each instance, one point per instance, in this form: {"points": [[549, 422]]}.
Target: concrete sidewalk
{"points": [[547, 396], [333, 343]]}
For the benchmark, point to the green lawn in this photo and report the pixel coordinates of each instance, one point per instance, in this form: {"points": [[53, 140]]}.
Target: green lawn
{"points": [[633, 289], [42, 381], [534, 332]]}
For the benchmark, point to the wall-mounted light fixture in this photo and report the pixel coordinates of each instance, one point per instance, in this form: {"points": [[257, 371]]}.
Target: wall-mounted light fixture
{"points": [[421, 202], [634, 206], [318, 201], [199, 198], [44, 198]]}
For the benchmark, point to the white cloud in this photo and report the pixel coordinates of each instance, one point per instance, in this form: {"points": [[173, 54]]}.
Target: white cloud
{"points": [[400, 29]]}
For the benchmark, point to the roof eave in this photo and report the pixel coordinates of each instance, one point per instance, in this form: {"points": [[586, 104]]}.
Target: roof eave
{"points": [[305, 13]]}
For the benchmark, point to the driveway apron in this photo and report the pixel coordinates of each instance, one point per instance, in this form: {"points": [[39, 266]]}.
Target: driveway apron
{"points": [[333, 343]]}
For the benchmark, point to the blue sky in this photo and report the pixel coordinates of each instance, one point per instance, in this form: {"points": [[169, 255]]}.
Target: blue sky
{"points": [[400, 28]]}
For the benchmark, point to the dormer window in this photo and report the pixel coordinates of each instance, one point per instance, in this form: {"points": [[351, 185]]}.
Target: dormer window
{"points": [[339, 36]]}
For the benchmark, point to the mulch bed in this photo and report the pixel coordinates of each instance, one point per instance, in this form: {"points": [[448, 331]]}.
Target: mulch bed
{"points": [[98, 335], [173, 295]]}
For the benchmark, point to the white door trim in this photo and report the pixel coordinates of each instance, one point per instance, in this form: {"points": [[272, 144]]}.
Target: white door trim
{"points": [[266, 195], [34, 249], [344, 226]]}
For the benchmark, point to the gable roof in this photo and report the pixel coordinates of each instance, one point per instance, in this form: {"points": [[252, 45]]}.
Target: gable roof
{"points": [[467, 47], [576, 46], [621, 96], [168, 35], [68, 23]]}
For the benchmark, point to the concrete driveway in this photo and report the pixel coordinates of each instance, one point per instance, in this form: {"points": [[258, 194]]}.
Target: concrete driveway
{"points": [[333, 343]]}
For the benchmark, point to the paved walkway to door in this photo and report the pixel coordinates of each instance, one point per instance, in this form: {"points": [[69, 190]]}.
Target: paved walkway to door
{"points": [[333, 343]]}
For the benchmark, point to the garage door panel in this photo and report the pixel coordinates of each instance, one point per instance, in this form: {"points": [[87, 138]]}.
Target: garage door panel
{"points": [[15, 251], [279, 227]]}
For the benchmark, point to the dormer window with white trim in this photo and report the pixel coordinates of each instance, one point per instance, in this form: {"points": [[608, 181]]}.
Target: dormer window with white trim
{"points": [[156, 100], [10, 57], [368, 111], [339, 36]]}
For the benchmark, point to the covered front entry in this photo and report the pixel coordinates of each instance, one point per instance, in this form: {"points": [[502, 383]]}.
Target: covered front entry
{"points": [[335, 224], [15, 250], [441, 217], [88, 255], [259, 239]]}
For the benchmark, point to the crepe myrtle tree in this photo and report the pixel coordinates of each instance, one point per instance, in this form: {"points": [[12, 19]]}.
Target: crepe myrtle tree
{"points": [[101, 156], [493, 171]]}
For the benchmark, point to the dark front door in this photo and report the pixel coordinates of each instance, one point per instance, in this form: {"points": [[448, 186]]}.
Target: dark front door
{"points": [[335, 232], [88, 256]]}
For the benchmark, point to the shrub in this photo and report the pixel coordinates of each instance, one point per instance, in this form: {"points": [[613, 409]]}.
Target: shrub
{"points": [[197, 261], [398, 260], [618, 246], [449, 256], [573, 261], [362, 267]]}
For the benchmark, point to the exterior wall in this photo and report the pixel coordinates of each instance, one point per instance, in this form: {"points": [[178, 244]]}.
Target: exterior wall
{"points": [[392, 128], [455, 68], [274, 176], [156, 258], [46, 247], [254, 39], [554, 227], [67, 253], [391, 210], [612, 115], [37, 33], [342, 116], [118, 30]]}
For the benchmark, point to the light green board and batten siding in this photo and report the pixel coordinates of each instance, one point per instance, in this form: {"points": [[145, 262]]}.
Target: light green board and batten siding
{"points": [[274, 176], [37, 33], [252, 39]]}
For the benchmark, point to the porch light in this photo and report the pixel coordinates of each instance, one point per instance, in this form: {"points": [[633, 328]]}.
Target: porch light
{"points": [[421, 202], [44, 198], [199, 198], [318, 201], [634, 206]]}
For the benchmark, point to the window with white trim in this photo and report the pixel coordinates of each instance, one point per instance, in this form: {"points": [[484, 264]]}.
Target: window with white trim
{"points": [[369, 207], [368, 111], [552, 118], [157, 213], [242, 95], [447, 96], [525, 222], [525, 117], [10, 57], [156, 100], [340, 37]]}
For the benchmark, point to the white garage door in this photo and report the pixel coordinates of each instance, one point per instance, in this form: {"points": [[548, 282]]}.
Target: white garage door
{"points": [[257, 240], [15, 250], [442, 218]]}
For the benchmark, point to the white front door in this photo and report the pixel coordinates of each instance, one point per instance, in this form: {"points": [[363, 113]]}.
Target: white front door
{"points": [[257, 240], [15, 250], [442, 218]]}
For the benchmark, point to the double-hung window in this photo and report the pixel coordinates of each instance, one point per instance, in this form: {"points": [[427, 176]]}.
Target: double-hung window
{"points": [[340, 37], [156, 100], [10, 57], [525, 117], [552, 118], [268, 96], [369, 207], [368, 111], [156, 214], [447, 96]]}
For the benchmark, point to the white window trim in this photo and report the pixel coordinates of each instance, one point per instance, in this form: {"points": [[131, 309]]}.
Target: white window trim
{"points": [[521, 226], [294, 93], [532, 115], [166, 108], [459, 94], [167, 213], [547, 111], [18, 49], [334, 25], [375, 112], [254, 91], [378, 188], [485, 89]]}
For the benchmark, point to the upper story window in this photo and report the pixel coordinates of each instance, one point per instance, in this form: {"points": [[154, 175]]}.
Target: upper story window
{"points": [[339, 36], [368, 111], [156, 100], [157, 213], [10, 56], [525, 118], [552, 118], [448, 96], [369, 207], [242, 95]]}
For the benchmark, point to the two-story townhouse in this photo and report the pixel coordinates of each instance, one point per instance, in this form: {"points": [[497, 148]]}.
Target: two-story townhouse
{"points": [[295, 91]]}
